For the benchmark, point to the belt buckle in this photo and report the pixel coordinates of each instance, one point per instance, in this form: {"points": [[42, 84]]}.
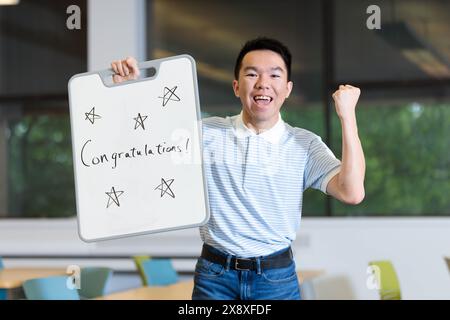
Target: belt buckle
{"points": [[236, 263]]}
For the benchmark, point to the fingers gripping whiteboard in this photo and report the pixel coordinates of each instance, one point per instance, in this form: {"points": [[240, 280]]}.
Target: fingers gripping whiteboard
{"points": [[137, 152]]}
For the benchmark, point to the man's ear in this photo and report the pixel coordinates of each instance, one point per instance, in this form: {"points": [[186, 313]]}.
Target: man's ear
{"points": [[290, 85], [236, 88]]}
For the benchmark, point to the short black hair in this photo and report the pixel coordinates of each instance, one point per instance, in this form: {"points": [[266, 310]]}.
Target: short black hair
{"points": [[264, 43]]}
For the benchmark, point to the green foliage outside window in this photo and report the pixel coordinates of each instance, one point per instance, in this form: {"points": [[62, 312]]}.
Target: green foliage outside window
{"points": [[407, 149], [41, 180]]}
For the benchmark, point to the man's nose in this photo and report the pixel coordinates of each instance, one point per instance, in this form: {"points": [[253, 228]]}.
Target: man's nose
{"points": [[262, 83]]}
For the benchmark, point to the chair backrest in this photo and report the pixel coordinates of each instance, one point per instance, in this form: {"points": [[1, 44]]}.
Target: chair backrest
{"points": [[3, 292], [93, 281], [159, 272], [138, 260], [387, 279], [50, 288]]}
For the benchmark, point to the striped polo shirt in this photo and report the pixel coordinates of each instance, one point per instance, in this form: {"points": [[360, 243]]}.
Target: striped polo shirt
{"points": [[256, 181]]}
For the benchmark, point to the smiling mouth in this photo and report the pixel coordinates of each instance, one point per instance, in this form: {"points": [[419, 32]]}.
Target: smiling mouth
{"points": [[262, 100]]}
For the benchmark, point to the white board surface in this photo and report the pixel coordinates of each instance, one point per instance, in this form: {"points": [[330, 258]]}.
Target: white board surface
{"points": [[137, 152]]}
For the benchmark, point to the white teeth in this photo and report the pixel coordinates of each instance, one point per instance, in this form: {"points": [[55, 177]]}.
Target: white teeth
{"points": [[262, 98]]}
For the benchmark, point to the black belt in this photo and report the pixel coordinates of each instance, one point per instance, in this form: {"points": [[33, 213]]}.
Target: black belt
{"points": [[280, 260]]}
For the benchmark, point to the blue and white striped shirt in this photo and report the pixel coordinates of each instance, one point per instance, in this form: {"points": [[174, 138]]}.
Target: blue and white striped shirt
{"points": [[256, 183]]}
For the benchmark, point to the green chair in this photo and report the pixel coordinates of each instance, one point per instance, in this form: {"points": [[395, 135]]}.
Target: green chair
{"points": [[50, 288], [3, 292], [93, 281], [138, 260], [387, 279], [159, 272]]}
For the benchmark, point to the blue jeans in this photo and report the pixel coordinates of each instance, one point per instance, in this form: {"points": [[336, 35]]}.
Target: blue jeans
{"points": [[213, 281]]}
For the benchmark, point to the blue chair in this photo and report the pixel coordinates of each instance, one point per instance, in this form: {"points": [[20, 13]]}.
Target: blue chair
{"points": [[3, 292], [50, 288], [93, 281], [159, 272]]}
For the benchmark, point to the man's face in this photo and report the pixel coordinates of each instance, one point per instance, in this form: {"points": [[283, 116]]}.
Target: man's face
{"points": [[262, 87]]}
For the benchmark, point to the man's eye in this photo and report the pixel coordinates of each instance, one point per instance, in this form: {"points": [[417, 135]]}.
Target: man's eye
{"points": [[251, 75], [275, 76]]}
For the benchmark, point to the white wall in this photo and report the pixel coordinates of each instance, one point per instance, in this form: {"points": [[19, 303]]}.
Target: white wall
{"points": [[116, 29], [342, 247]]}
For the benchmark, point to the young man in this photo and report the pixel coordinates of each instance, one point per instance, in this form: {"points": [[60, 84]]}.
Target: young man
{"points": [[257, 167]]}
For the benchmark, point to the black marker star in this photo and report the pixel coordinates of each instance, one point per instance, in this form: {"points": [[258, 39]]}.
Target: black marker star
{"points": [[169, 95], [113, 196], [139, 121], [165, 187], [91, 116]]}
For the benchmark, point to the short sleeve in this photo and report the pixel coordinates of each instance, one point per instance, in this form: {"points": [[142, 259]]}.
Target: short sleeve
{"points": [[321, 166]]}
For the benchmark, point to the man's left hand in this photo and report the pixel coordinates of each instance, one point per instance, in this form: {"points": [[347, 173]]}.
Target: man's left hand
{"points": [[345, 99]]}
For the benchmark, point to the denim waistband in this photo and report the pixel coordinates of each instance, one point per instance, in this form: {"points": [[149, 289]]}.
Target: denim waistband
{"points": [[278, 259]]}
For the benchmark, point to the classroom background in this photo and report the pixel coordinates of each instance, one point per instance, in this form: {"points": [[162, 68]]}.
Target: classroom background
{"points": [[403, 69]]}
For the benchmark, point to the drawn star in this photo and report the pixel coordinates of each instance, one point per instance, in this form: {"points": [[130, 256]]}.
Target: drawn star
{"points": [[165, 187], [169, 95], [139, 121], [113, 196], [91, 116]]}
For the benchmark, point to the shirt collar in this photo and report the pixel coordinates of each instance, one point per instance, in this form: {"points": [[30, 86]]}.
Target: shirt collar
{"points": [[272, 135]]}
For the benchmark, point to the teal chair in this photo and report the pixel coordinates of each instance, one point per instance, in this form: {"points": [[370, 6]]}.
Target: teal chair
{"points": [[3, 292], [93, 281], [50, 288], [387, 279], [159, 272]]}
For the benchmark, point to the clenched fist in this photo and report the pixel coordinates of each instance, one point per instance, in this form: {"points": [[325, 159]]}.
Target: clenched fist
{"points": [[345, 99], [126, 69]]}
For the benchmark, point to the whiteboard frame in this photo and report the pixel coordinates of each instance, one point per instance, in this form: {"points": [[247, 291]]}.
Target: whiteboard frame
{"points": [[142, 65]]}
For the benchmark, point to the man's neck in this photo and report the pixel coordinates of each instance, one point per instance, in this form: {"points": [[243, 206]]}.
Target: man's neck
{"points": [[258, 127]]}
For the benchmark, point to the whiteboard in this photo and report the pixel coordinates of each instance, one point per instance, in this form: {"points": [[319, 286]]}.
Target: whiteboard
{"points": [[137, 151]]}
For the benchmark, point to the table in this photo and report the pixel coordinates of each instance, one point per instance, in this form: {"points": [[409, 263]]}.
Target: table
{"points": [[307, 275], [178, 291], [14, 277], [181, 290], [307, 291]]}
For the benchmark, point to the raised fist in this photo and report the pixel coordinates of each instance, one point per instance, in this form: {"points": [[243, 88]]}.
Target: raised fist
{"points": [[345, 99]]}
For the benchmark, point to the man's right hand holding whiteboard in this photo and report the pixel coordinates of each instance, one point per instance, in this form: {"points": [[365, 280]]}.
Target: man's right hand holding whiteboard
{"points": [[126, 69]]}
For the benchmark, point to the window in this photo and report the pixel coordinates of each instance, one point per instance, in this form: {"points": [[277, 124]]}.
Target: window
{"points": [[406, 145], [404, 110], [403, 70], [38, 55], [412, 43], [213, 33]]}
